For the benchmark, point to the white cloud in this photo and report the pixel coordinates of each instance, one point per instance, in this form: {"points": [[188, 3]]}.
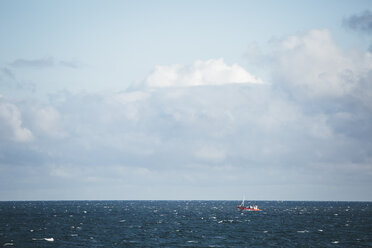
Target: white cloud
{"points": [[128, 104], [313, 65], [210, 72], [48, 121], [11, 124]]}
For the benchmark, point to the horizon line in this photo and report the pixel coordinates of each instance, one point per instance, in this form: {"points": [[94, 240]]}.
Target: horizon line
{"points": [[190, 200]]}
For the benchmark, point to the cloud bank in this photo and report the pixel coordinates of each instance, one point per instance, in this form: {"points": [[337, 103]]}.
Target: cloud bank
{"points": [[309, 127]]}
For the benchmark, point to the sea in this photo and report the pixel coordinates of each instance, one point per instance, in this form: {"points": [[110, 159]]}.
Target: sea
{"points": [[184, 224]]}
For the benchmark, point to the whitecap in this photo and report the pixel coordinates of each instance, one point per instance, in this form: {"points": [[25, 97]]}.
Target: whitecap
{"points": [[304, 231], [335, 242], [192, 241], [49, 239], [220, 221], [265, 231], [8, 244], [320, 230]]}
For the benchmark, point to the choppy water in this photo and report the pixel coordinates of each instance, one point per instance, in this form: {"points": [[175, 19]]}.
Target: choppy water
{"points": [[184, 224]]}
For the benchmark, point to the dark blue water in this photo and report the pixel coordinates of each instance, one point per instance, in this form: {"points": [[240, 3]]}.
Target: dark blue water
{"points": [[184, 224]]}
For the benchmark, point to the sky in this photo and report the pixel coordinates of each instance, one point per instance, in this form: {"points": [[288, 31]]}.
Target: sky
{"points": [[186, 100]]}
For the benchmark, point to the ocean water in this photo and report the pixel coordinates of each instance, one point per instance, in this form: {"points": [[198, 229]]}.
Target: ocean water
{"points": [[184, 224]]}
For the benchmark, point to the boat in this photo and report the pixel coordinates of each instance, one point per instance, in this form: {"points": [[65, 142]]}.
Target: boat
{"points": [[241, 207]]}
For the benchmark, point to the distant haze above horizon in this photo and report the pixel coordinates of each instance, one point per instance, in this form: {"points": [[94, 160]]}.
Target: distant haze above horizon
{"points": [[186, 100]]}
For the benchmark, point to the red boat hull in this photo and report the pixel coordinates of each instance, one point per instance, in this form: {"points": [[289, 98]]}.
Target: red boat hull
{"points": [[247, 209]]}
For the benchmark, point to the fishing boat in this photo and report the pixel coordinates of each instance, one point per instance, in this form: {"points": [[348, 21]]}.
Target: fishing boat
{"points": [[241, 207]]}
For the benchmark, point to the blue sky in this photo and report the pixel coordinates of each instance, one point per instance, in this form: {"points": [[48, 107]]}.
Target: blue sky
{"points": [[185, 100]]}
